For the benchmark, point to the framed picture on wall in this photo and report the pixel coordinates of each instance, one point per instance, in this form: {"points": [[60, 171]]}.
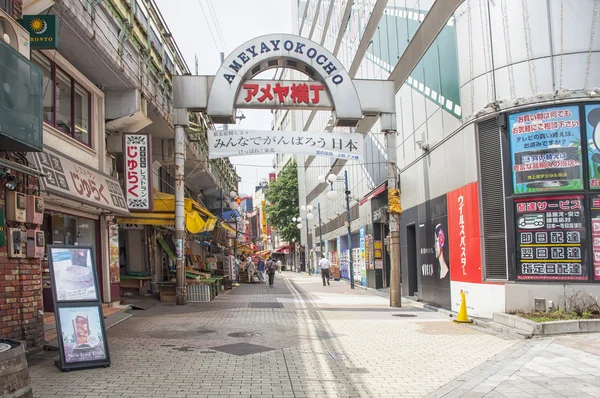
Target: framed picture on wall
{"points": [[73, 273]]}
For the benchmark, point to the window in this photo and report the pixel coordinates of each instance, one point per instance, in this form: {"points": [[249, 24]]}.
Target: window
{"points": [[67, 105]]}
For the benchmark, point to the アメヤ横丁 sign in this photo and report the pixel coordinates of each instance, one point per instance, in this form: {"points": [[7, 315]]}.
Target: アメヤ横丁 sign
{"points": [[283, 94]]}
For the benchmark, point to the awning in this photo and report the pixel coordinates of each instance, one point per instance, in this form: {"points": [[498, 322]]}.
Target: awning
{"points": [[164, 214], [381, 188], [263, 253], [76, 181], [228, 228], [285, 249], [243, 248]]}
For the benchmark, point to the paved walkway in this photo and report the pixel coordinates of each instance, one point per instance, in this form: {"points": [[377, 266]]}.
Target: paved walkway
{"points": [[300, 339]]}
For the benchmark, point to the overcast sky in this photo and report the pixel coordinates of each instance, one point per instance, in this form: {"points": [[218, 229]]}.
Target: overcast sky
{"points": [[239, 21]]}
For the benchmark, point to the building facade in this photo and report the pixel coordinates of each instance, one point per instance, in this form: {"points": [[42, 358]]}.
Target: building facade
{"points": [[498, 191]]}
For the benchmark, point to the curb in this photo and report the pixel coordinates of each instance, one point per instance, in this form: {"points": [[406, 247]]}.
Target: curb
{"points": [[552, 328]]}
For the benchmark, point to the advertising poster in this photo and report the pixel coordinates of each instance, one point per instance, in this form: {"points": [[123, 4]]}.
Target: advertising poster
{"points": [[464, 233], [434, 253], [546, 150], [363, 269], [550, 235], [592, 123], [73, 274], [113, 247], [378, 254], [595, 214], [82, 334]]}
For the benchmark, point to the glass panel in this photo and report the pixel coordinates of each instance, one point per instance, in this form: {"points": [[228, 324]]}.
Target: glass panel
{"points": [[63, 102], [63, 229], [46, 66], [82, 114], [86, 233]]}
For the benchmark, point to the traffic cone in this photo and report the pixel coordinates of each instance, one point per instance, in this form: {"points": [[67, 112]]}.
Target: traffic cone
{"points": [[462, 312]]}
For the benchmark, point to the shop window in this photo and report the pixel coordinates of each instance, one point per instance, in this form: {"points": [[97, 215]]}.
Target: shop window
{"points": [[61, 229], [67, 105]]}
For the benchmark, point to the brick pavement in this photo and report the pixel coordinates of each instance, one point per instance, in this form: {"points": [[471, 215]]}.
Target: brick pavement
{"points": [[320, 342]]}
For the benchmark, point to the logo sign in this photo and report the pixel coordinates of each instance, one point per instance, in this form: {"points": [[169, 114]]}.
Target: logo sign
{"points": [[43, 31], [227, 143], [283, 94], [138, 171]]}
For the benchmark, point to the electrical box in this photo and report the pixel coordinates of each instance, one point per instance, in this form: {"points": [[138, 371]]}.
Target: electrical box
{"points": [[15, 243], [35, 210], [539, 304], [16, 207], [35, 243]]}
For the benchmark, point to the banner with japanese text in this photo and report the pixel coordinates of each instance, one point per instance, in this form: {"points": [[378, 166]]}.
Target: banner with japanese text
{"points": [[595, 215], [227, 143], [551, 235], [592, 123], [138, 171], [546, 150], [464, 233]]}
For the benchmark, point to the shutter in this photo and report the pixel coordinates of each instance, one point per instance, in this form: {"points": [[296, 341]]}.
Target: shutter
{"points": [[491, 189]]}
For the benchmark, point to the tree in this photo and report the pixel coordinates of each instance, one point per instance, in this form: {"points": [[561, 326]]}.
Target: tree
{"points": [[283, 195]]}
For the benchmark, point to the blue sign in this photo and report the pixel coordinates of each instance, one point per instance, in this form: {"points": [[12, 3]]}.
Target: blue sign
{"points": [[545, 149]]}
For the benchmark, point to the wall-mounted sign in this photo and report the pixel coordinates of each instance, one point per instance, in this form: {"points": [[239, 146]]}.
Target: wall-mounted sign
{"points": [[551, 235], [285, 94], [595, 214], [69, 178], [43, 31], [137, 160], [546, 150], [592, 123], [227, 143]]}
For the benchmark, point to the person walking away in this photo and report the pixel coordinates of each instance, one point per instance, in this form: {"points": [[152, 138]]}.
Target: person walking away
{"points": [[250, 269], [261, 270], [324, 265], [271, 267], [279, 266]]}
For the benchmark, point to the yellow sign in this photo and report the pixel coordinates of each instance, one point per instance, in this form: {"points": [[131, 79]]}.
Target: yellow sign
{"points": [[394, 201], [263, 215]]}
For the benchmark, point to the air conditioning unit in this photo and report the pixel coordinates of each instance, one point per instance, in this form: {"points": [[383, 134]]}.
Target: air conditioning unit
{"points": [[14, 34]]}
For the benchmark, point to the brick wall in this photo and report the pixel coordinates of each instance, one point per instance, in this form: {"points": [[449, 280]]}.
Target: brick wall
{"points": [[20, 291]]}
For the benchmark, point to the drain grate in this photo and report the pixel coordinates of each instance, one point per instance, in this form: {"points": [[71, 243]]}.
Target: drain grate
{"points": [[241, 349], [244, 334], [405, 315], [184, 349], [265, 305]]}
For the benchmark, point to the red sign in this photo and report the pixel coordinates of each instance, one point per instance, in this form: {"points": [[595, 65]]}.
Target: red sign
{"points": [[280, 93], [464, 233]]}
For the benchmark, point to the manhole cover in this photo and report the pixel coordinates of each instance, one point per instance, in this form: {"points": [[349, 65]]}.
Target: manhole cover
{"points": [[244, 334], [405, 315], [241, 349], [5, 347]]}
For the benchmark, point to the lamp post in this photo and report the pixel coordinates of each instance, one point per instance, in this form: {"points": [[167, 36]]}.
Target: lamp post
{"points": [[332, 195], [309, 216]]}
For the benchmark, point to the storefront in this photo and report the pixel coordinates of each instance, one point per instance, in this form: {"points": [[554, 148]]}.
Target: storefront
{"points": [[80, 204]]}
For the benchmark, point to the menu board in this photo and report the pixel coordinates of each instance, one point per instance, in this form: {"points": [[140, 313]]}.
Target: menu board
{"points": [[378, 254], [595, 214], [545, 149], [73, 275], [551, 238]]}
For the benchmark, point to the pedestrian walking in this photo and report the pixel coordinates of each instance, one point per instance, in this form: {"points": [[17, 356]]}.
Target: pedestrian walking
{"points": [[261, 270], [271, 267], [279, 266], [250, 269], [324, 265]]}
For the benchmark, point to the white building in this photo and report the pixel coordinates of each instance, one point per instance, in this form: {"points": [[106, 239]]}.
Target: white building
{"points": [[478, 190]]}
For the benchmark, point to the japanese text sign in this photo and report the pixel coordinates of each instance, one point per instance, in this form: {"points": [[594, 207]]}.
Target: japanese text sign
{"points": [[551, 235], [283, 94], [69, 178], [592, 123], [595, 213], [464, 232], [227, 143], [546, 150], [138, 171]]}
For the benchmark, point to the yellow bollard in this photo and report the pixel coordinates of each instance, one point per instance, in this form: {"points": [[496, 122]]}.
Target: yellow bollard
{"points": [[462, 312]]}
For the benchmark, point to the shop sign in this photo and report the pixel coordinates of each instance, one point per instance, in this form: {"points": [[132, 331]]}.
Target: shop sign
{"points": [[113, 247], [592, 122], [2, 233], [273, 94], [69, 178], [551, 235], [263, 217], [546, 150], [137, 160], [464, 233], [363, 264], [43, 31], [227, 143], [595, 214]]}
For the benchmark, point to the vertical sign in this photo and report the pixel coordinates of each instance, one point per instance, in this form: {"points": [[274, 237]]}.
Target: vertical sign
{"points": [[464, 232], [595, 214], [592, 123], [263, 217], [551, 238], [113, 247], [546, 150], [363, 272], [378, 254], [137, 160]]}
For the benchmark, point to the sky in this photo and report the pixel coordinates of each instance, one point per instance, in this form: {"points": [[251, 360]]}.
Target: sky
{"points": [[239, 21]]}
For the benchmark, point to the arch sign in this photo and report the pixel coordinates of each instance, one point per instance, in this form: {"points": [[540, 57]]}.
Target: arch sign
{"points": [[328, 87]]}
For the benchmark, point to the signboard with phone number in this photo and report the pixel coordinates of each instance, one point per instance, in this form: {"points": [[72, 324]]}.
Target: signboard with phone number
{"points": [[595, 214], [550, 237]]}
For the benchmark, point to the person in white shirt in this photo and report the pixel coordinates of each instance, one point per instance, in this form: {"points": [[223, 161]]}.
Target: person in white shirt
{"points": [[324, 265], [279, 266]]}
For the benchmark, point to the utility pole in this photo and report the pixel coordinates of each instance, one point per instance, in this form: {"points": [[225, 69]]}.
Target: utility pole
{"points": [[388, 123], [321, 247], [351, 266], [181, 120]]}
